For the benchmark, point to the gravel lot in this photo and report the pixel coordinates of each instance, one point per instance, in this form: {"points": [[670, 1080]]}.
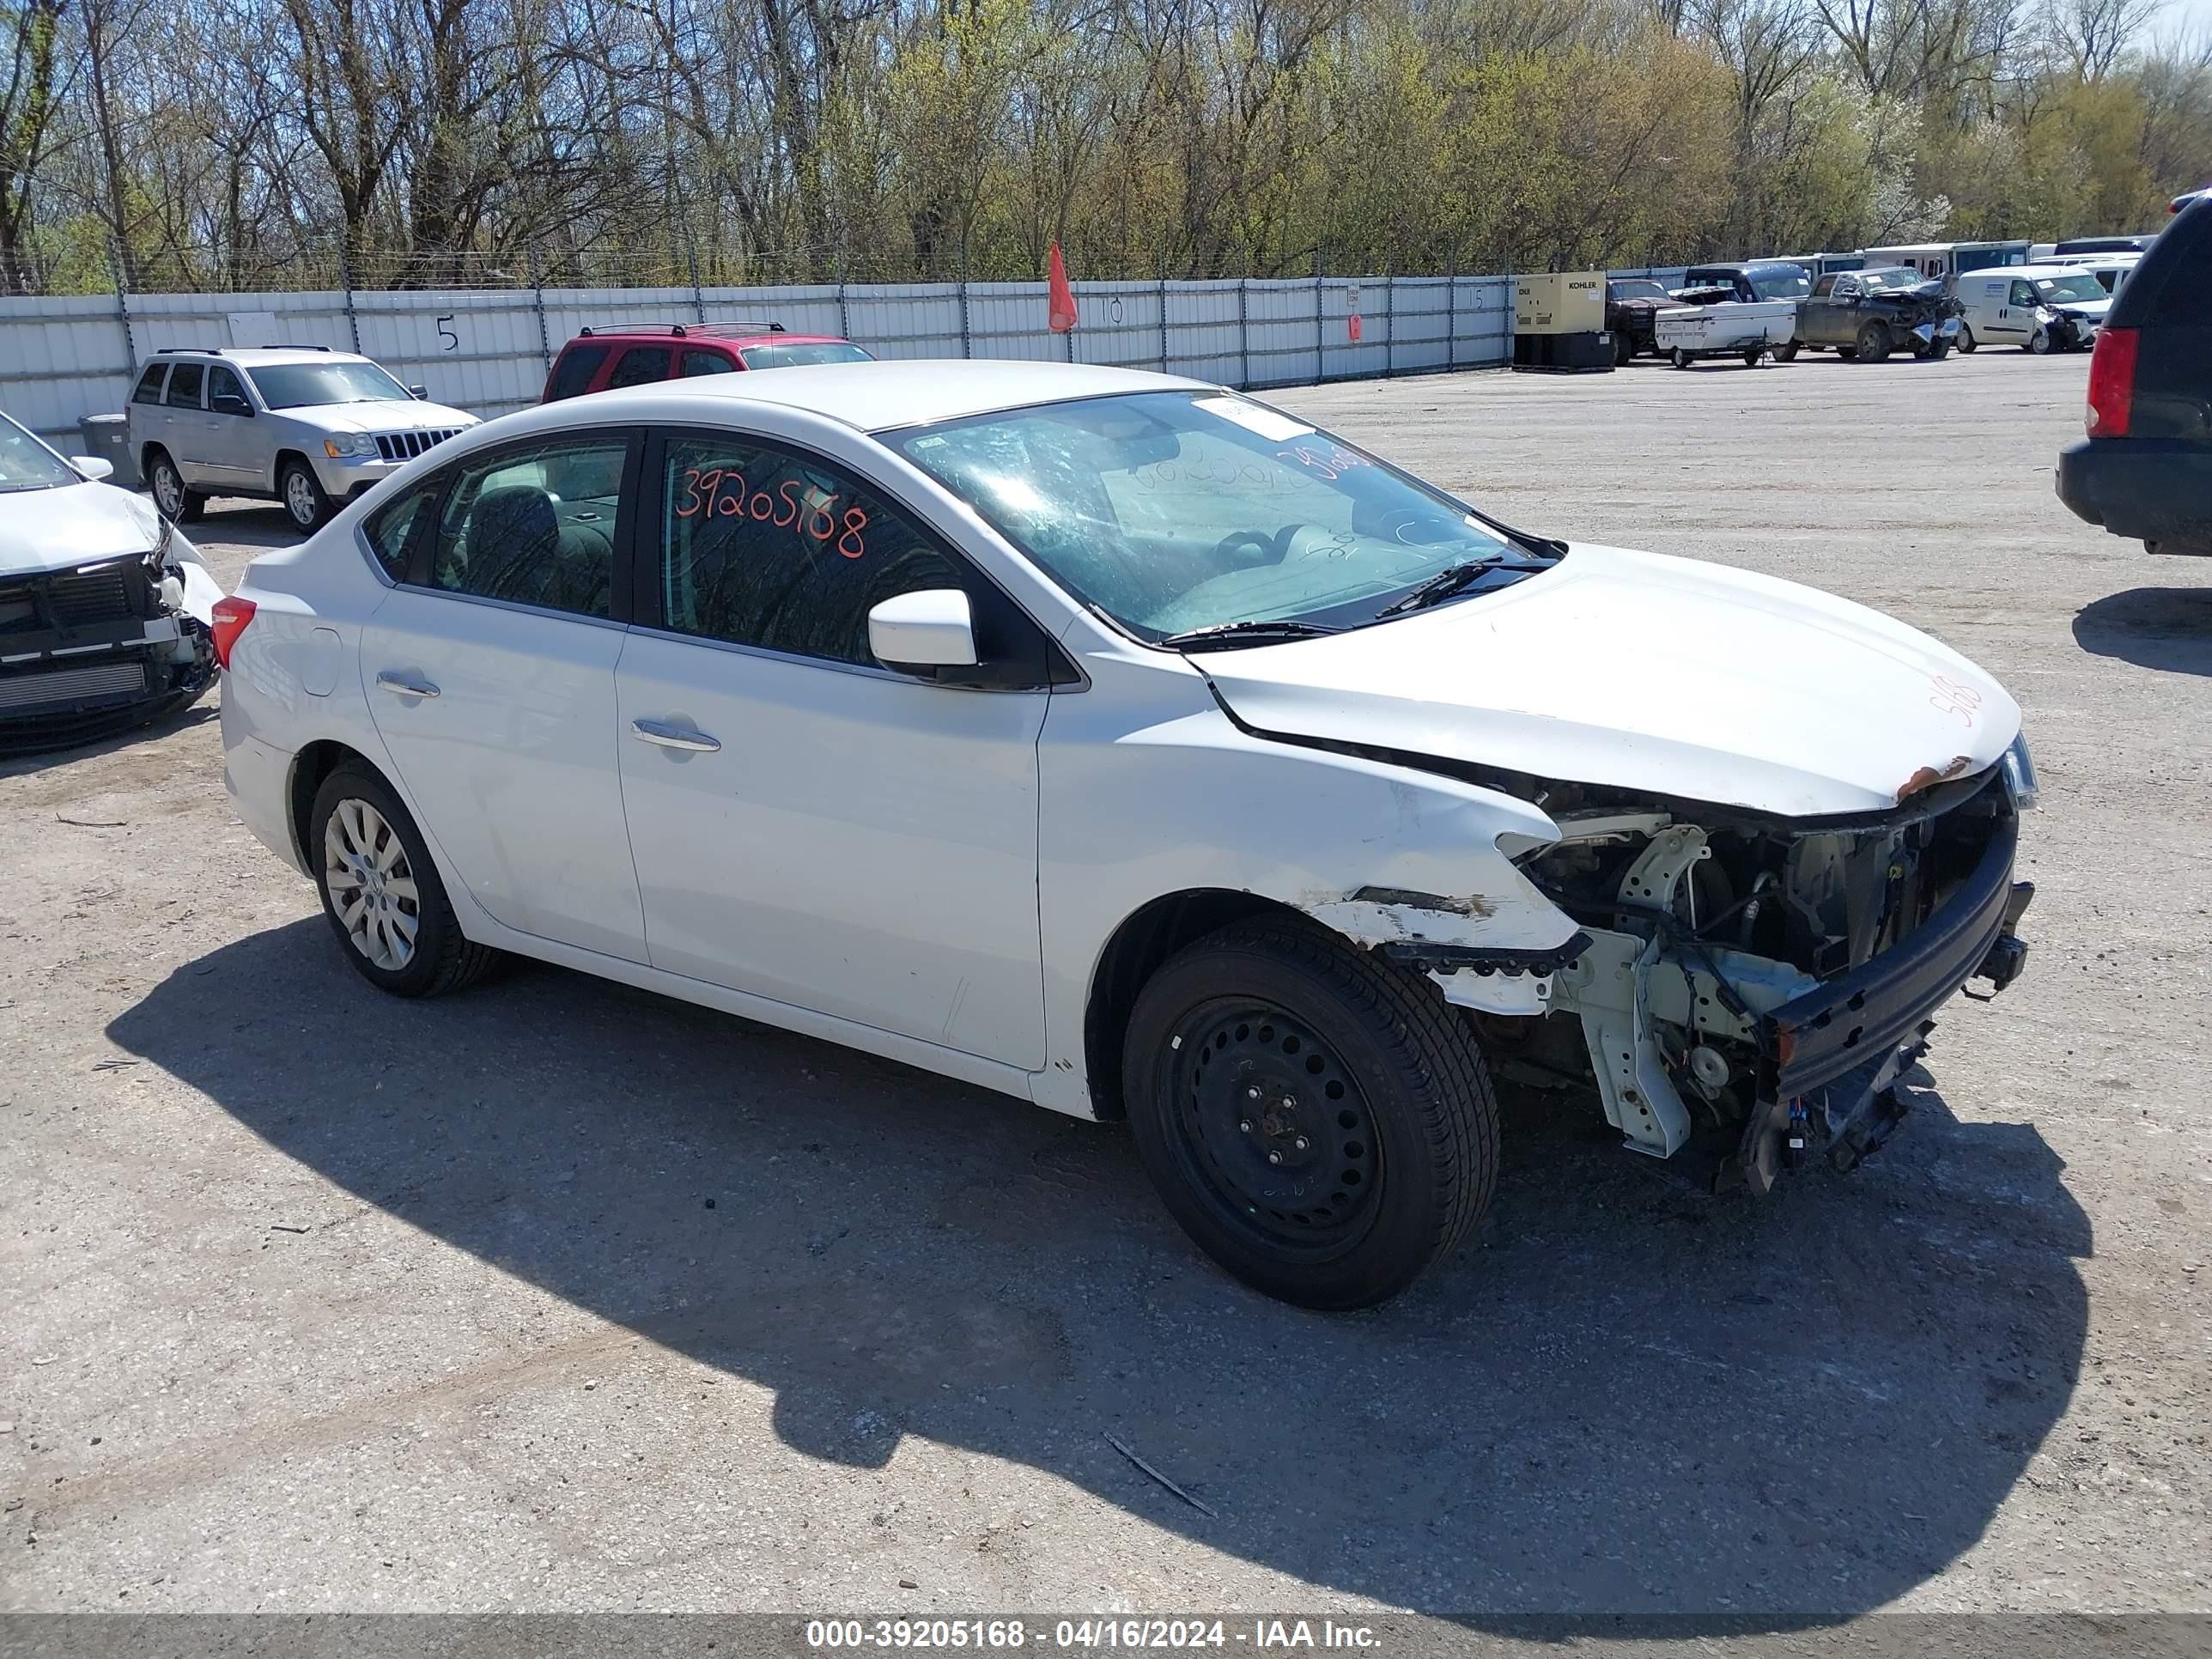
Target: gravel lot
{"points": [[559, 1296]]}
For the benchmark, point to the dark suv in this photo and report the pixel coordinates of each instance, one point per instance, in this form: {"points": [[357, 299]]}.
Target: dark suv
{"points": [[633, 354], [2145, 469]]}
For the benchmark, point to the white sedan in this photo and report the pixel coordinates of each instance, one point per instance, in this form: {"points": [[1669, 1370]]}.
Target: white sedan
{"points": [[104, 606], [1130, 746]]}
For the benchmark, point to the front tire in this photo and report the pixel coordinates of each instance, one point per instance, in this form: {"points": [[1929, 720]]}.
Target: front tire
{"points": [[381, 892], [177, 503], [2038, 343], [305, 503], [1966, 340], [1319, 1121], [1873, 345], [1937, 351]]}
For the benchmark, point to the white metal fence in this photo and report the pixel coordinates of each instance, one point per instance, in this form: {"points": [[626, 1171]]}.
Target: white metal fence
{"points": [[64, 357]]}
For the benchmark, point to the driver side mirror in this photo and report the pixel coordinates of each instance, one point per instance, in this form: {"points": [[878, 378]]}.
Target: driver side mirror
{"points": [[91, 468], [421, 394], [925, 630]]}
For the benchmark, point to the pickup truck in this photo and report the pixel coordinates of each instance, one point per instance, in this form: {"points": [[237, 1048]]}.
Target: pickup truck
{"points": [[1864, 315]]}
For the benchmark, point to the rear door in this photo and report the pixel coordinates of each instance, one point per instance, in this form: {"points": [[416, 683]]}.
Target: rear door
{"points": [[184, 426], [640, 365], [491, 674]]}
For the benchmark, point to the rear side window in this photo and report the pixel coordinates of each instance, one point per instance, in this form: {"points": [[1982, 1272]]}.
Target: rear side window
{"points": [[149, 383], [536, 526], [638, 365], [573, 372], [764, 548], [184, 385], [696, 362], [392, 530]]}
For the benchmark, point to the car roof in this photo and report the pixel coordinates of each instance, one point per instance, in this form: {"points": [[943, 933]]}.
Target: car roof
{"points": [[257, 356], [739, 334], [876, 397], [2033, 271]]}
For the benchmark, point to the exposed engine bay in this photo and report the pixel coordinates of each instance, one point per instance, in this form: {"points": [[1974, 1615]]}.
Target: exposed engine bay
{"points": [[102, 645], [1751, 988]]}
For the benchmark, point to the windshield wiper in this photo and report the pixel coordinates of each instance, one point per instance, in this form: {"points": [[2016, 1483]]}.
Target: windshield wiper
{"points": [[1250, 632], [1452, 579]]}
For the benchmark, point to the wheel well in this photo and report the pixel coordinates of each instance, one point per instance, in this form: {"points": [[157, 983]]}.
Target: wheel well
{"points": [[1144, 941], [309, 768], [146, 453], [277, 464]]}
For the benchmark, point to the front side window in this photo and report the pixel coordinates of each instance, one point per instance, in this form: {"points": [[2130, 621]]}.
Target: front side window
{"points": [[638, 365], [535, 526], [1175, 512], [761, 547], [184, 385], [2023, 295], [307, 385], [1827, 286], [225, 395], [149, 383]]}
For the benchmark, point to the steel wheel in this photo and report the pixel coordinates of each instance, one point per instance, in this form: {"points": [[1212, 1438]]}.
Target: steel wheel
{"points": [[1276, 1128], [168, 487], [371, 885]]}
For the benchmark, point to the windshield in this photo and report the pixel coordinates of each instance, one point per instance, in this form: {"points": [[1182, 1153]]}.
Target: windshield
{"points": [[799, 355], [298, 385], [27, 463], [1639, 291], [2062, 291], [1878, 282], [1174, 511], [1782, 283]]}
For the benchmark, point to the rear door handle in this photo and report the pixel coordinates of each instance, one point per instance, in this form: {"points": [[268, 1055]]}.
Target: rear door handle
{"points": [[401, 685], [674, 737]]}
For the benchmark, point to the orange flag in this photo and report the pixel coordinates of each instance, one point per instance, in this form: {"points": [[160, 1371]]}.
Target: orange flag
{"points": [[1061, 318]]}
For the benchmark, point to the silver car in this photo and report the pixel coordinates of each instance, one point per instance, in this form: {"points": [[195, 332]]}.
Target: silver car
{"points": [[303, 425]]}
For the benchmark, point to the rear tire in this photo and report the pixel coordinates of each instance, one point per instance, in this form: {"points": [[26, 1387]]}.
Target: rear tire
{"points": [[1786, 353], [1319, 1121], [305, 503], [177, 503], [381, 892], [1681, 358]]}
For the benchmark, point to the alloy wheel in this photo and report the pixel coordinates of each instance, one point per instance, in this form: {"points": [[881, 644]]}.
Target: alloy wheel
{"points": [[371, 884], [300, 499], [168, 488]]}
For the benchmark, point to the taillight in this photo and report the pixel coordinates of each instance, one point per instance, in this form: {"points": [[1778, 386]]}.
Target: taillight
{"points": [[231, 616], [2113, 383]]}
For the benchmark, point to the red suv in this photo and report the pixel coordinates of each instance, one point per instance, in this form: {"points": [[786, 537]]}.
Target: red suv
{"points": [[633, 354]]}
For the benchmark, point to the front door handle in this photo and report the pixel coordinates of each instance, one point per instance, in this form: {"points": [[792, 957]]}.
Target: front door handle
{"points": [[402, 685], [674, 737]]}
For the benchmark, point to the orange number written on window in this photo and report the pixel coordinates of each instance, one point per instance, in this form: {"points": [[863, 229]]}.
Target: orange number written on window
{"points": [[720, 492]]}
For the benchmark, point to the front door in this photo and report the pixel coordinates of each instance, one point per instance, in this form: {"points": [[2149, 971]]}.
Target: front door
{"points": [[808, 825], [233, 456], [491, 674]]}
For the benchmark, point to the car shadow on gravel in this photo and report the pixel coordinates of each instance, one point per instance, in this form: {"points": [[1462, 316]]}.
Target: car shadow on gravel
{"points": [[2169, 628], [1626, 1396]]}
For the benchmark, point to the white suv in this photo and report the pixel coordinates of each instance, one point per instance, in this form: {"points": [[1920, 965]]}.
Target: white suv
{"points": [[303, 425]]}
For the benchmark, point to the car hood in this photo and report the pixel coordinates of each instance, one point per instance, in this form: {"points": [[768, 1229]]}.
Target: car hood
{"points": [[383, 415], [73, 525], [1680, 679], [2094, 309]]}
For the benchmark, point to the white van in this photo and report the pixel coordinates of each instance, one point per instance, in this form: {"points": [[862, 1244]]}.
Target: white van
{"points": [[2037, 308], [1942, 260]]}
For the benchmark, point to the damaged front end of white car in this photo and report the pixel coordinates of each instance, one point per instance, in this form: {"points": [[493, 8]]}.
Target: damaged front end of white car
{"points": [[1786, 830]]}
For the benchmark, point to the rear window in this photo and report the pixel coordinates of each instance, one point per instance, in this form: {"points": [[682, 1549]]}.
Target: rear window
{"points": [[184, 385], [149, 383], [573, 372], [800, 354], [640, 364], [2166, 288]]}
